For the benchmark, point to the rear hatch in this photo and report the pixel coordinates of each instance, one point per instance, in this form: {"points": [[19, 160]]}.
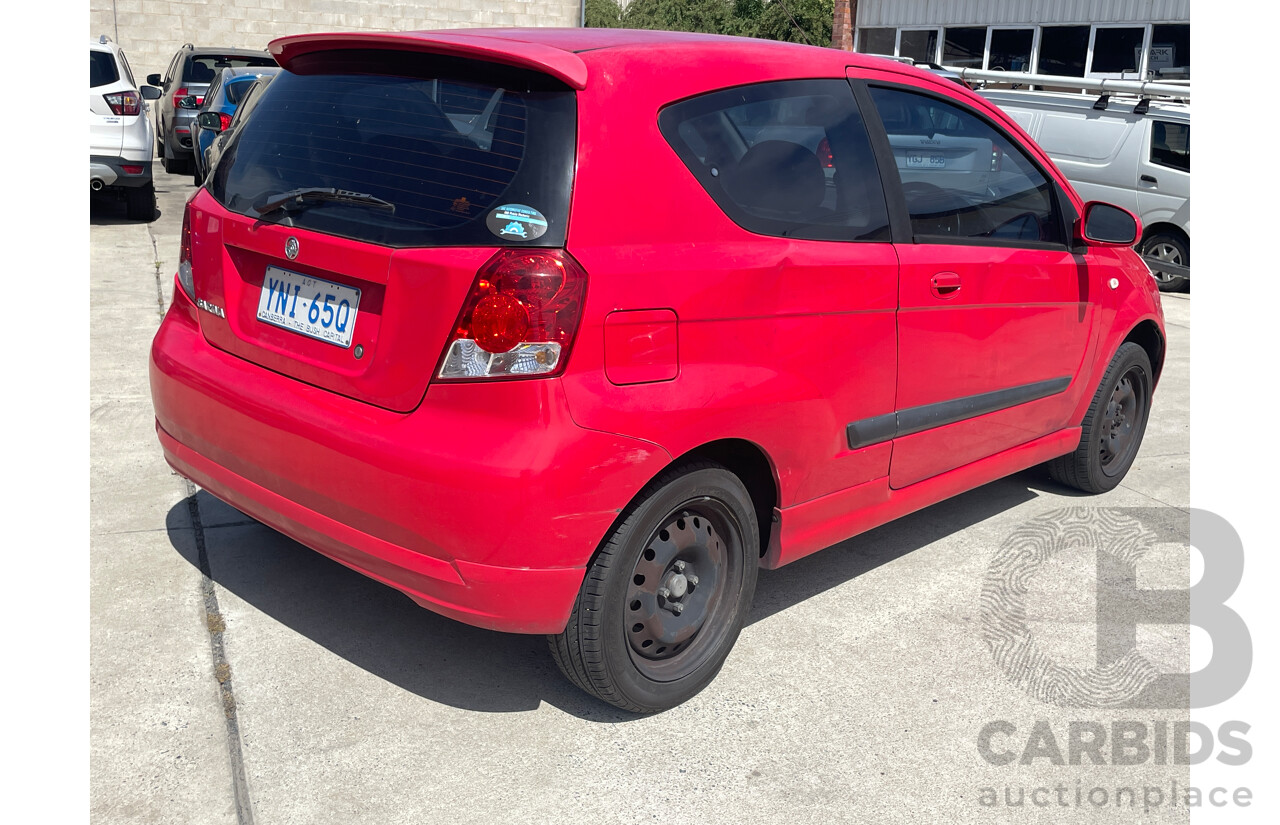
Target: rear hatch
{"points": [[106, 128], [346, 222]]}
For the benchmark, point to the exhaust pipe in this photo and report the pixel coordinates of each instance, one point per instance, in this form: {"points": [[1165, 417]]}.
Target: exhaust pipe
{"points": [[96, 184]]}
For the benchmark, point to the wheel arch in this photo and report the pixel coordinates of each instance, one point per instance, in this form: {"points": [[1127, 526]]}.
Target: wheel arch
{"points": [[751, 464], [1147, 335], [1162, 228]]}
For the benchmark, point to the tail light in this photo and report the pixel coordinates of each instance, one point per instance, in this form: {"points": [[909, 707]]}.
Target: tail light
{"points": [[185, 277], [824, 154], [225, 120], [997, 157], [520, 317], [182, 92], [124, 103]]}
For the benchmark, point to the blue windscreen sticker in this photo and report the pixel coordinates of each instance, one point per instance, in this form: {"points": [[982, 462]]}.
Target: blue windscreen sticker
{"points": [[517, 222]]}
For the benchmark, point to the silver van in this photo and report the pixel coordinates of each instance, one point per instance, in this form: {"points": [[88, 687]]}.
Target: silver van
{"points": [[1140, 160]]}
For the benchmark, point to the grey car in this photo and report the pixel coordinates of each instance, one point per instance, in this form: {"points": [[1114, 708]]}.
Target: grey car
{"points": [[190, 72]]}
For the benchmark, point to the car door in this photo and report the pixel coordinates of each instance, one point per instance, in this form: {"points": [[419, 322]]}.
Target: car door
{"points": [[1164, 173], [993, 313]]}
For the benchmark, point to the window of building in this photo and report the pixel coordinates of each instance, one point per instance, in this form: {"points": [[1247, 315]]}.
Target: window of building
{"points": [[1117, 50], [964, 47], [919, 44], [877, 41], [1011, 49], [1170, 55], [1063, 50]]}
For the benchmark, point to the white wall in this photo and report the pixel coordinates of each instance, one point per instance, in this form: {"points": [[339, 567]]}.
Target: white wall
{"points": [[150, 31]]}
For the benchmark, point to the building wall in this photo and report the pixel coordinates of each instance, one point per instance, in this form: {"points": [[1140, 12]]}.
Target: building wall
{"points": [[999, 12], [150, 31]]}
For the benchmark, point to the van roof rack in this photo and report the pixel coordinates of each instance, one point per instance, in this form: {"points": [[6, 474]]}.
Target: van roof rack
{"points": [[1105, 87]]}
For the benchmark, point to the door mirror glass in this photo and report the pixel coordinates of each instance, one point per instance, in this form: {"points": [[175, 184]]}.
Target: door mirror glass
{"points": [[1110, 225]]}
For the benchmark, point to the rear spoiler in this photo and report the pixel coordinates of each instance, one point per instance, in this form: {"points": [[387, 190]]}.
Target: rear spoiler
{"points": [[560, 64]]}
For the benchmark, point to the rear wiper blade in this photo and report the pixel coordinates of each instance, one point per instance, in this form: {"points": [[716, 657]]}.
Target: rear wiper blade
{"points": [[299, 198]]}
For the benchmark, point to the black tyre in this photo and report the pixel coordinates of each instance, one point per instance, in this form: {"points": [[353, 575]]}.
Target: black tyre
{"points": [[140, 203], [666, 596], [1113, 427], [1169, 248]]}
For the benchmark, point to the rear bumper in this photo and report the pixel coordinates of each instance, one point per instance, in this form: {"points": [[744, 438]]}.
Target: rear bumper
{"points": [[484, 504], [111, 172]]}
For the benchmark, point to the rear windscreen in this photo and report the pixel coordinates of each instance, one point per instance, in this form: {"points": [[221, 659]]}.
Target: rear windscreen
{"points": [[203, 68], [473, 155]]}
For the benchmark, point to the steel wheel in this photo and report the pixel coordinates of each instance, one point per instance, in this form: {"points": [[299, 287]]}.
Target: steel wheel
{"points": [[1170, 249], [666, 595], [1112, 430], [678, 589], [1121, 423]]}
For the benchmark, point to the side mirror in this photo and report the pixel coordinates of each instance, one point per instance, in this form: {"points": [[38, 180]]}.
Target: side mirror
{"points": [[188, 102], [1108, 225], [151, 92], [153, 79], [210, 120]]}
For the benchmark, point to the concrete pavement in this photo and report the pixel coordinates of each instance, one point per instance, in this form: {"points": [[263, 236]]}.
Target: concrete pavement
{"points": [[239, 677]]}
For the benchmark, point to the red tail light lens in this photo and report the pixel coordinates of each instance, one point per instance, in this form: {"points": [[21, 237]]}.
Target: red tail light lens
{"points": [[520, 317], [185, 277], [182, 92], [124, 103], [225, 120], [824, 154]]}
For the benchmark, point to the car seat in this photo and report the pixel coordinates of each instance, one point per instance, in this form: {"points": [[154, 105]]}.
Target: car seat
{"points": [[778, 179]]}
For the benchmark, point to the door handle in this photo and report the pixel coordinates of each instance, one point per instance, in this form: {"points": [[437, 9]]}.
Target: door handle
{"points": [[945, 284], [1146, 179]]}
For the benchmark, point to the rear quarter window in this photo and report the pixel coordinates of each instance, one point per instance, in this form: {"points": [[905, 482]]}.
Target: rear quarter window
{"points": [[788, 158], [447, 150], [102, 69]]}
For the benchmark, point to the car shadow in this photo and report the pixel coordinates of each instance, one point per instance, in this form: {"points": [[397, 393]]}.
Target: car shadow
{"points": [[108, 209], [383, 632]]}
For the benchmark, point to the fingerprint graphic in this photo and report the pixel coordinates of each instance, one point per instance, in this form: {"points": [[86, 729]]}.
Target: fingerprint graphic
{"points": [[1003, 609]]}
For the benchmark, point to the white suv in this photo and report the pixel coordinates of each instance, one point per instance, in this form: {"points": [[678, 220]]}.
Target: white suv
{"points": [[120, 133]]}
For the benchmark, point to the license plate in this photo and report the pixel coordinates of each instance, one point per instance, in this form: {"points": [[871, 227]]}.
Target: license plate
{"points": [[310, 306], [921, 160]]}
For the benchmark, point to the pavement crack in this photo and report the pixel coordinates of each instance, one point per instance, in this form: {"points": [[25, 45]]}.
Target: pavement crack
{"points": [[157, 263], [217, 627]]}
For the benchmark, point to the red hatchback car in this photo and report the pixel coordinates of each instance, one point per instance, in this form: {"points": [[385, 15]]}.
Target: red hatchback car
{"points": [[570, 332]]}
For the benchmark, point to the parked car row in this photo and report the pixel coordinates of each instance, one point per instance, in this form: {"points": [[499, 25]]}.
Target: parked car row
{"points": [[553, 353], [184, 85]]}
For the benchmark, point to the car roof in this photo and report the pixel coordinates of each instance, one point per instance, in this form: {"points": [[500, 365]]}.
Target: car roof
{"points": [[568, 53]]}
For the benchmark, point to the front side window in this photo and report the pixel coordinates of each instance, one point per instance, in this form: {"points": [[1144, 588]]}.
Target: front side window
{"points": [[790, 159], [1171, 144], [962, 178]]}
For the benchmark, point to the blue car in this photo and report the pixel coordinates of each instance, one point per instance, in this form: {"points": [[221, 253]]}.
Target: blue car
{"points": [[224, 95]]}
